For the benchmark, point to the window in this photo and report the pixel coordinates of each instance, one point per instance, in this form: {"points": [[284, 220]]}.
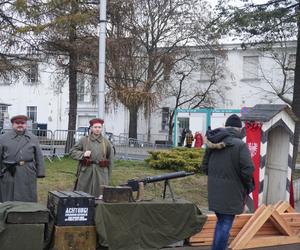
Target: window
{"points": [[32, 74], [291, 66], [3, 111], [165, 118], [250, 67], [207, 68], [94, 91], [32, 113]]}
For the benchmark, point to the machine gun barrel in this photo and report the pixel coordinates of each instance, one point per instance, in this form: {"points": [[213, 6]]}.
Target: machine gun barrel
{"points": [[134, 183], [163, 177]]}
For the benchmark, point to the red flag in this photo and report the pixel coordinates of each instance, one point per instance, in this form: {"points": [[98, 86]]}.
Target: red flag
{"points": [[253, 140], [292, 201]]}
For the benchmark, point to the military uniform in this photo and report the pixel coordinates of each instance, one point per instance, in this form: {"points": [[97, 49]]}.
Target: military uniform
{"points": [[25, 152], [90, 178]]}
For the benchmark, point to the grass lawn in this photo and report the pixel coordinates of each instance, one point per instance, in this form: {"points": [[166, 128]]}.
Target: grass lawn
{"points": [[60, 175]]}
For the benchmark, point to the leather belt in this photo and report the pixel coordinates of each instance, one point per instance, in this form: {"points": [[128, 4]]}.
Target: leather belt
{"points": [[22, 163], [101, 163]]}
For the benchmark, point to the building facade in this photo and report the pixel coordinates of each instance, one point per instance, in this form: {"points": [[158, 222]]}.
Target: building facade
{"points": [[249, 76]]}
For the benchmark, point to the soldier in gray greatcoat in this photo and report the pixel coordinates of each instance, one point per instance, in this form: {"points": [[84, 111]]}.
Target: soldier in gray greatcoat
{"points": [[94, 153], [21, 163]]}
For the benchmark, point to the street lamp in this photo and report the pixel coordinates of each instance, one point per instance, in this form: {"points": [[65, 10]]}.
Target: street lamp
{"points": [[101, 73]]}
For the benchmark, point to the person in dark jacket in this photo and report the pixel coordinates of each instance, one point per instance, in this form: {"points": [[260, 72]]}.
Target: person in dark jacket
{"points": [[189, 138], [21, 163], [182, 138], [229, 167]]}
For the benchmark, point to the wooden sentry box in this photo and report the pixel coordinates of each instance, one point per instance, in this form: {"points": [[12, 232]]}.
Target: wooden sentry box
{"points": [[71, 208], [74, 238], [117, 194]]}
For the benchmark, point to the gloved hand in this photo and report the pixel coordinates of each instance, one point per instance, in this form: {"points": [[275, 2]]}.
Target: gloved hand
{"points": [[87, 153]]}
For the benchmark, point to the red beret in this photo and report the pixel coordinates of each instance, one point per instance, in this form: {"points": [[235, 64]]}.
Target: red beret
{"points": [[19, 118], [96, 120]]}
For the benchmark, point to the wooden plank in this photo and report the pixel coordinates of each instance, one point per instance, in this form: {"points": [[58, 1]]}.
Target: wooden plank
{"points": [[291, 216], [252, 226], [284, 207], [281, 224], [247, 239], [277, 204], [271, 241]]}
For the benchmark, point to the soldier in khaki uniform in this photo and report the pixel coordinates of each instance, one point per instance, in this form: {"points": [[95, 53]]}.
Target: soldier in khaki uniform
{"points": [[21, 162], [94, 153]]}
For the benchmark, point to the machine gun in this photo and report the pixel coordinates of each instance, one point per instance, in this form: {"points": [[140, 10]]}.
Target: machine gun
{"points": [[138, 184]]}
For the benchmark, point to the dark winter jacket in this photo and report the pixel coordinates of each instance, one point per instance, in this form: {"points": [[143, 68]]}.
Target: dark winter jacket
{"points": [[229, 167]]}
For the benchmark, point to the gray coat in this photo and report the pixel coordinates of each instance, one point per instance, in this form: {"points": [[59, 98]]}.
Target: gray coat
{"points": [[230, 172], [91, 178], [25, 150]]}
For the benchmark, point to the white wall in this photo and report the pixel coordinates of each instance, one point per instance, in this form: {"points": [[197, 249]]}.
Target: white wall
{"points": [[53, 107]]}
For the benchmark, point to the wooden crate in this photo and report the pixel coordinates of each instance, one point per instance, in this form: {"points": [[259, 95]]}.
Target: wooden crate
{"points": [[74, 238], [265, 227], [117, 194]]}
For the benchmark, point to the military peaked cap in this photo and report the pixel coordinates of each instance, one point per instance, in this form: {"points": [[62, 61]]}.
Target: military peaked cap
{"points": [[19, 118]]}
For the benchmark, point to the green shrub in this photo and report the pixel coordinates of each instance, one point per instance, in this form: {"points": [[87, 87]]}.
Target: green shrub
{"points": [[187, 159]]}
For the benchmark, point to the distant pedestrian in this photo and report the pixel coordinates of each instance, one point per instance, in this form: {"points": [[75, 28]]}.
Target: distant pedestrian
{"points": [[189, 138], [182, 138], [21, 161], [229, 167], [198, 140]]}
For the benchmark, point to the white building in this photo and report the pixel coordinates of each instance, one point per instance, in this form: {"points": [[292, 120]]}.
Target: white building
{"points": [[246, 80]]}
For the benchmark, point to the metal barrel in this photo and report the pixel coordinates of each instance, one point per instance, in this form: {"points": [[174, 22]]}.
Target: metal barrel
{"points": [[169, 176]]}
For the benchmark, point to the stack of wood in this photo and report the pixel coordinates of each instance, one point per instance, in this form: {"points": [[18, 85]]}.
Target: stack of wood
{"points": [[270, 225]]}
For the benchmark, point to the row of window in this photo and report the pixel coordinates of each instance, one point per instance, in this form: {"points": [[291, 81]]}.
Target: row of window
{"points": [[31, 76], [31, 112], [251, 67]]}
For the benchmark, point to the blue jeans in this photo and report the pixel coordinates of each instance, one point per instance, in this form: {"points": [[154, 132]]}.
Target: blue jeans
{"points": [[223, 226]]}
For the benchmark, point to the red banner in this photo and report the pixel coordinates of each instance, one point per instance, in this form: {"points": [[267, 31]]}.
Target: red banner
{"points": [[253, 140], [292, 201]]}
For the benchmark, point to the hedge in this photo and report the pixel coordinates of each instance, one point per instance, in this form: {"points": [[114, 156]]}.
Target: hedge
{"points": [[180, 158]]}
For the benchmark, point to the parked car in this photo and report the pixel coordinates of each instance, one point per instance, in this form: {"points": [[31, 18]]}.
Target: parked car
{"points": [[81, 131]]}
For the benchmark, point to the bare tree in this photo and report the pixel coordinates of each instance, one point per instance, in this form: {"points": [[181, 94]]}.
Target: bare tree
{"points": [[267, 23], [194, 84], [143, 41], [279, 73]]}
